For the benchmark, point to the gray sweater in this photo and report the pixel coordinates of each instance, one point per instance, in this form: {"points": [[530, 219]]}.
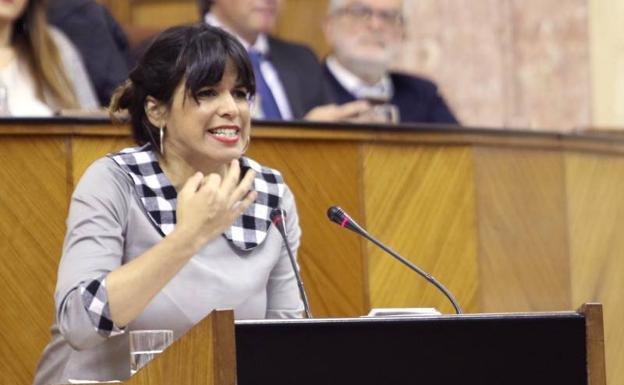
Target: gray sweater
{"points": [[107, 227]]}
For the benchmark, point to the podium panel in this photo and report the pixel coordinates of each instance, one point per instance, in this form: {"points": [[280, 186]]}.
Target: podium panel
{"points": [[477, 349], [482, 349]]}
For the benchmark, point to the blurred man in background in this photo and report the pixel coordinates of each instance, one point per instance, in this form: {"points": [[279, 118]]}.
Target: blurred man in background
{"points": [[366, 36], [289, 77], [100, 39]]}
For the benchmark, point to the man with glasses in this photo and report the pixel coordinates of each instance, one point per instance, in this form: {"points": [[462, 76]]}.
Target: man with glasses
{"points": [[366, 36], [289, 78]]}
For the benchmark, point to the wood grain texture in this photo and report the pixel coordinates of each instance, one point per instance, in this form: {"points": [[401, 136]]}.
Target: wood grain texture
{"points": [[546, 212], [523, 245], [205, 355], [322, 174], [301, 21], [164, 14], [33, 207], [594, 335], [420, 202], [595, 186], [85, 150]]}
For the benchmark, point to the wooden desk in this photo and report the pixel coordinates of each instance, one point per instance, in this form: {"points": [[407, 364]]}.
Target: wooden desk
{"points": [[539, 348], [508, 221]]}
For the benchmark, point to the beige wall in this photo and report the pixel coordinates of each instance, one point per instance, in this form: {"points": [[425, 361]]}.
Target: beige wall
{"points": [[607, 62], [510, 63]]}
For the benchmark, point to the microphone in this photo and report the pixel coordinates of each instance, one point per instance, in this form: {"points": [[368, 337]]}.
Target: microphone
{"points": [[277, 218], [339, 216]]}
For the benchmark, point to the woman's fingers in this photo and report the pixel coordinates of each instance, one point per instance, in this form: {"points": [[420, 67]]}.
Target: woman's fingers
{"points": [[231, 177], [225, 195], [208, 205], [192, 185], [242, 188], [223, 186], [241, 206], [212, 182]]}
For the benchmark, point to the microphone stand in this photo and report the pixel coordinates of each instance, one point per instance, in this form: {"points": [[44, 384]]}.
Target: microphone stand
{"points": [[277, 217], [337, 215]]}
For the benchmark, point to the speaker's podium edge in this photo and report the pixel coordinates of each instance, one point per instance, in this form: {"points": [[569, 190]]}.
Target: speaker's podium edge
{"points": [[595, 345], [206, 355]]}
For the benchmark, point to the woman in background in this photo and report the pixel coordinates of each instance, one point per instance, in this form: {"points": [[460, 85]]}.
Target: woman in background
{"points": [[160, 235], [41, 72]]}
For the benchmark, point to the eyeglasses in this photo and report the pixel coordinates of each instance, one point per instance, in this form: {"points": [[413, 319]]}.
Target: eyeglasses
{"points": [[366, 14]]}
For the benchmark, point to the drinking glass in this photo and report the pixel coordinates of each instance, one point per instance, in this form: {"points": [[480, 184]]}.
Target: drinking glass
{"points": [[147, 344]]}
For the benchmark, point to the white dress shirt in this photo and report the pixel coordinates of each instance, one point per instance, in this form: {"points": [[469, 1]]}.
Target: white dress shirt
{"points": [[382, 90], [268, 70]]}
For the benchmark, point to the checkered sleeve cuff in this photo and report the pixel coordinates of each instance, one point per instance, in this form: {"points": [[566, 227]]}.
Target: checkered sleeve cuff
{"points": [[95, 300]]}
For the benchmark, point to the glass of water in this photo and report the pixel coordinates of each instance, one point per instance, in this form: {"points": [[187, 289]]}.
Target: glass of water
{"points": [[147, 344]]}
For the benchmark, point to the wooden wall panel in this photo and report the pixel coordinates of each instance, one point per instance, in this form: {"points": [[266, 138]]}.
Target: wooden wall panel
{"points": [[595, 186], [33, 189], [522, 230], [499, 245], [164, 14], [322, 174], [301, 21], [85, 150], [420, 202]]}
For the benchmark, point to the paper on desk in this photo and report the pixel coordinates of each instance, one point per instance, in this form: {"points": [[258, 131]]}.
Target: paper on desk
{"points": [[403, 312]]}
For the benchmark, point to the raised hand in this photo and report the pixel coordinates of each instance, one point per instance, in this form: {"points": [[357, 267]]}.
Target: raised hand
{"points": [[208, 205]]}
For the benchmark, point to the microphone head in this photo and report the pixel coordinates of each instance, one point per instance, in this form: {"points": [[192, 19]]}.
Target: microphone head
{"points": [[339, 216], [277, 218], [336, 214]]}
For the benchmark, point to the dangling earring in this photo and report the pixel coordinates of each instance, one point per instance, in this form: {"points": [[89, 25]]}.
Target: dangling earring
{"points": [[162, 137], [247, 144]]}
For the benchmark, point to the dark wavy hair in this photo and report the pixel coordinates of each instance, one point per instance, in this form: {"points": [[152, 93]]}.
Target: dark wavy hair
{"points": [[196, 54]]}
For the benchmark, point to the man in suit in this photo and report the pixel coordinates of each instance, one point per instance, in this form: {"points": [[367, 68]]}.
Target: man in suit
{"points": [[289, 77], [366, 36], [100, 40]]}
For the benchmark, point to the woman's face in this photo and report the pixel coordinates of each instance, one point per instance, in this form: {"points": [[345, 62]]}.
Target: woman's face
{"points": [[214, 130], [11, 10]]}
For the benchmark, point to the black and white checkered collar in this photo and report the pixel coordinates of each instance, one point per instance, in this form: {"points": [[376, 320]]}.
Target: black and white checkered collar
{"points": [[159, 197]]}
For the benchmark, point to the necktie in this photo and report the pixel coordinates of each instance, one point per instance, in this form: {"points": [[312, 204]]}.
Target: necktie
{"points": [[267, 100]]}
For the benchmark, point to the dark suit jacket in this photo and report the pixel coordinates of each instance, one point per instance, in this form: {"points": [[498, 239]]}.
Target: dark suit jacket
{"points": [[100, 40], [301, 75], [418, 99]]}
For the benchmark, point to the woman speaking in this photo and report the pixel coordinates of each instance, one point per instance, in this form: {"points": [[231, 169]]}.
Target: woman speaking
{"points": [[161, 234]]}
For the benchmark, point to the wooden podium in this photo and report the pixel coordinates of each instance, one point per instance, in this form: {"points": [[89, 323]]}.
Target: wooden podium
{"points": [[510, 348]]}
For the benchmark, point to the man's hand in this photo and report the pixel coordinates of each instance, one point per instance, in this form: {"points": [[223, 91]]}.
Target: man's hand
{"points": [[339, 113]]}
